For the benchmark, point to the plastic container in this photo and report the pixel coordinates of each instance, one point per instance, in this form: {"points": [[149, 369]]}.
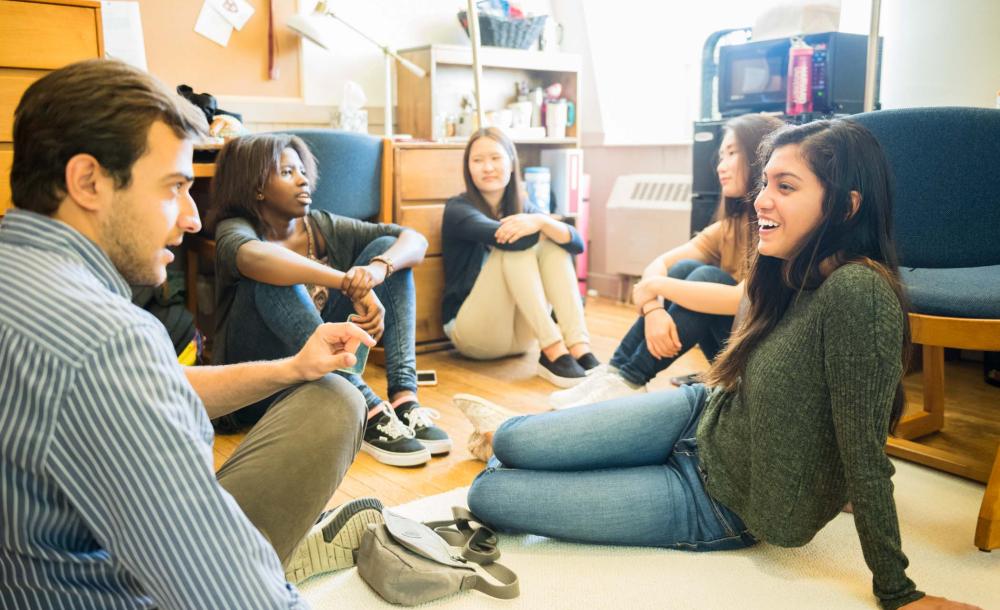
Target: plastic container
{"points": [[361, 354], [538, 184], [799, 93]]}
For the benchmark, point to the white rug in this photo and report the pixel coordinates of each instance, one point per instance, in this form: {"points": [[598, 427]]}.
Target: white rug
{"points": [[937, 515]]}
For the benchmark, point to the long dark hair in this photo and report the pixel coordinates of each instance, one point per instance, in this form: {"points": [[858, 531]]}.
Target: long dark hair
{"points": [[736, 213], [512, 201], [845, 157], [243, 167]]}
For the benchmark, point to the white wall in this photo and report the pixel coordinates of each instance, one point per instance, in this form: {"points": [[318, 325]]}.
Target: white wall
{"points": [[940, 53], [398, 23]]}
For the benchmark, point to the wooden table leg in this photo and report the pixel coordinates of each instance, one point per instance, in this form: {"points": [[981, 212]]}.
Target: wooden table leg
{"points": [[988, 528]]}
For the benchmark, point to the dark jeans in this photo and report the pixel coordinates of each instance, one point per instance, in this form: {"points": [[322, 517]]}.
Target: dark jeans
{"points": [[269, 322], [632, 358]]}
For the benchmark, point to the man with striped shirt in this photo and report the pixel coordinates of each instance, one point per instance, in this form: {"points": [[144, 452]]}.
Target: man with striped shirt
{"points": [[107, 493]]}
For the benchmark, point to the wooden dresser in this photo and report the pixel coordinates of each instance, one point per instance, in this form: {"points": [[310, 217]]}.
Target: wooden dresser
{"points": [[36, 38], [424, 176]]}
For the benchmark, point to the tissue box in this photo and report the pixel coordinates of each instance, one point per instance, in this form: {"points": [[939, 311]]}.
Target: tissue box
{"points": [[351, 120]]}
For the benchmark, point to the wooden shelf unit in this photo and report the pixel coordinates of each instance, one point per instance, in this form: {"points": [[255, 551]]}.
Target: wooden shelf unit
{"points": [[449, 76]]}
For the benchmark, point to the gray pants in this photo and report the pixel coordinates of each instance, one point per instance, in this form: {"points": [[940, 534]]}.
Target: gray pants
{"points": [[290, 463]]}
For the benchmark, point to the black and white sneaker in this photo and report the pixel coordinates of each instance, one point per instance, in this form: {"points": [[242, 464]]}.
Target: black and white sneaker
{"points": [[330, 544], [589, 363], [564, 371], [420, 420], [391, 442]]}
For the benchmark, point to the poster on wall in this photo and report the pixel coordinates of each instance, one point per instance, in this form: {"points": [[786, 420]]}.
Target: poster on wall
{"points": [[122, 28]]}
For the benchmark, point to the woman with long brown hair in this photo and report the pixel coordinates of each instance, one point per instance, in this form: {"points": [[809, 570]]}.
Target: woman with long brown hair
{"points": [[688, 295], [793, 421], [506, 264]]}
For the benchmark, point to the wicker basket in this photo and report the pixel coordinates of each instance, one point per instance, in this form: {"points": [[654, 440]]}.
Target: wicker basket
{"points": [[503, 32]]}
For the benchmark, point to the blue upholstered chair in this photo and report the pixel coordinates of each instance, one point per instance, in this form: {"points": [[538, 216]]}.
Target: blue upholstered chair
{"points": [[350, 171], [946, 166]]}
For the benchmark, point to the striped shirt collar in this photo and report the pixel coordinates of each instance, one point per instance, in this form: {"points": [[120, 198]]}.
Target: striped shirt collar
{"points": [[26, 228]]}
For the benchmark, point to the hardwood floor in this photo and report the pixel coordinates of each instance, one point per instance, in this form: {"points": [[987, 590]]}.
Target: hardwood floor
{"points": [[973, 407]]}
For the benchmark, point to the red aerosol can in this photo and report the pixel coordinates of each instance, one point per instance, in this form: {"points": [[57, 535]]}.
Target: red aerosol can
{"points": [[800, 60]]}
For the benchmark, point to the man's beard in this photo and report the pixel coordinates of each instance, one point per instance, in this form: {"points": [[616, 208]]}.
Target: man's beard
{"points": [[123, 246]]}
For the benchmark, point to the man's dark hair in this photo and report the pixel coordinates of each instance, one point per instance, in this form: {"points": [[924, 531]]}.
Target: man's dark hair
{"points": [[99, 107]]}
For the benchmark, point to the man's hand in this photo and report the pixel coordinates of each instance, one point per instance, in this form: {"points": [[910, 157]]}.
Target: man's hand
{"points": [[371, 314], [516, 226], [929, 602], [358, 281], [662, 340], [330, 347]]}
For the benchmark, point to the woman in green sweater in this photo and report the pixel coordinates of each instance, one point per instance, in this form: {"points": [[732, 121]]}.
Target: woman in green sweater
{"points": [[793, 421]]}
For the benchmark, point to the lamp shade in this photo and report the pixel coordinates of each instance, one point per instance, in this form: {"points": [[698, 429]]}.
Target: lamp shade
{"points": [[306, 26]]}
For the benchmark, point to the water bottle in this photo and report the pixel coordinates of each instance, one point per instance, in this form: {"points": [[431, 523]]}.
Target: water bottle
{"points": [[537, 182], [799, 92]]}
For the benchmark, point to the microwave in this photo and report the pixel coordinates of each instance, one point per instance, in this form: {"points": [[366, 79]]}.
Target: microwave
{"points": [[753, 75]]}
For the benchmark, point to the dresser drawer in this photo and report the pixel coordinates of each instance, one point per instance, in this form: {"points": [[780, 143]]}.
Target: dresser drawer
{"points": [[428, 277], [425, 219], [48, 36], [6, 158], [428, 174], [12, 86]]}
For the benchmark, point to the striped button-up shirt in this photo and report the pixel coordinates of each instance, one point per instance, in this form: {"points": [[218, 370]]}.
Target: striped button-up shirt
{"points": [[107, 494]]}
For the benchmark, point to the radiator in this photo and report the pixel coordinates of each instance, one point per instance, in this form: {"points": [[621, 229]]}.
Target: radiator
{"points": [[647, 215]]}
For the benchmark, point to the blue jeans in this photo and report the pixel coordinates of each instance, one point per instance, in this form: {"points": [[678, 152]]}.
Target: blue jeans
{"points": [[269, 322], [632, 358], [623, 471]]}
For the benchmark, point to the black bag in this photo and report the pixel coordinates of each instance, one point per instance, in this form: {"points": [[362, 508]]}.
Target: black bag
{"points": [[206, 102]]}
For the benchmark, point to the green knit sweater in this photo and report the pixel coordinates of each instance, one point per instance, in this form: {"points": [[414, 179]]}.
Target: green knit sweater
{"points": [[805, 431]]}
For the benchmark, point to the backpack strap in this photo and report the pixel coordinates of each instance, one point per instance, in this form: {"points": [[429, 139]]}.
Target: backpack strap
{"points": [[479, 546]]}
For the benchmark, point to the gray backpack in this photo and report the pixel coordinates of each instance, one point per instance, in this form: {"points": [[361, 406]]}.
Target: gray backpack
{"points": [[409, 563]]}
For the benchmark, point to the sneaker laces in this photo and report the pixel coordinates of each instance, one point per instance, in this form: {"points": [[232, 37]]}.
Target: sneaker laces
{"points": [[394, 428], [421, 417]]}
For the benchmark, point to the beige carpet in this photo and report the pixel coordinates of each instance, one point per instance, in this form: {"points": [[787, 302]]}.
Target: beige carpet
{"points": [[937, 514]]}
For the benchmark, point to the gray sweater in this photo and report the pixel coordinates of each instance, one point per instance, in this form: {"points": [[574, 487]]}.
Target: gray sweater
{"points": [[805, 432]]}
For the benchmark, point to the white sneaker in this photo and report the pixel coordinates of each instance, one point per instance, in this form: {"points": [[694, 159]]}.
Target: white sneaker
{"points": [[484, 415], [330, 544], [600, 369], [594, 389]]}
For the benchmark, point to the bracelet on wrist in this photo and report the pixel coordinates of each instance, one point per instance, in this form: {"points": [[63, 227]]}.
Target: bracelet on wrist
{"points": [[646, 313], [389, 267]]}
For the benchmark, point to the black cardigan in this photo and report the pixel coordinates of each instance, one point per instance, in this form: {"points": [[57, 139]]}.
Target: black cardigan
{"points": [[467, 235]]}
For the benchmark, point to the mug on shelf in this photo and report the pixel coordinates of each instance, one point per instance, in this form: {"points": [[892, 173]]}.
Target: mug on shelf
{"points": [[520, 114], [559, 114]]}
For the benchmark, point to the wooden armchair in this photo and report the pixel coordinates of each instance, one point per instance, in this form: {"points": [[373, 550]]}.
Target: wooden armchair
{"points": [[947, 218]]}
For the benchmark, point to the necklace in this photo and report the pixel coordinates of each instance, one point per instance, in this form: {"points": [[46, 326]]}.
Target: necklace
{"points": [[320, 294]]}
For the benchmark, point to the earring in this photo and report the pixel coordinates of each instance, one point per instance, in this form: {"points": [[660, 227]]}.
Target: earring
{"points": [[260, 196]]}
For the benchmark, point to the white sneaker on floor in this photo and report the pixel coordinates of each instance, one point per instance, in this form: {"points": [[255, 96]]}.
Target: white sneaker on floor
{"points": [[484, 415], [595, 389], [600, 369], [330, 544]]}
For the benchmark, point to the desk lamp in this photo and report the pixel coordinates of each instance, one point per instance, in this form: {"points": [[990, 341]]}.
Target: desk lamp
{"points": [[307, 27]]}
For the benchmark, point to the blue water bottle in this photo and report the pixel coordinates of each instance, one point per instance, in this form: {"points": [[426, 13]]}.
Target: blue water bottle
{"points": [[537, 182]]}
